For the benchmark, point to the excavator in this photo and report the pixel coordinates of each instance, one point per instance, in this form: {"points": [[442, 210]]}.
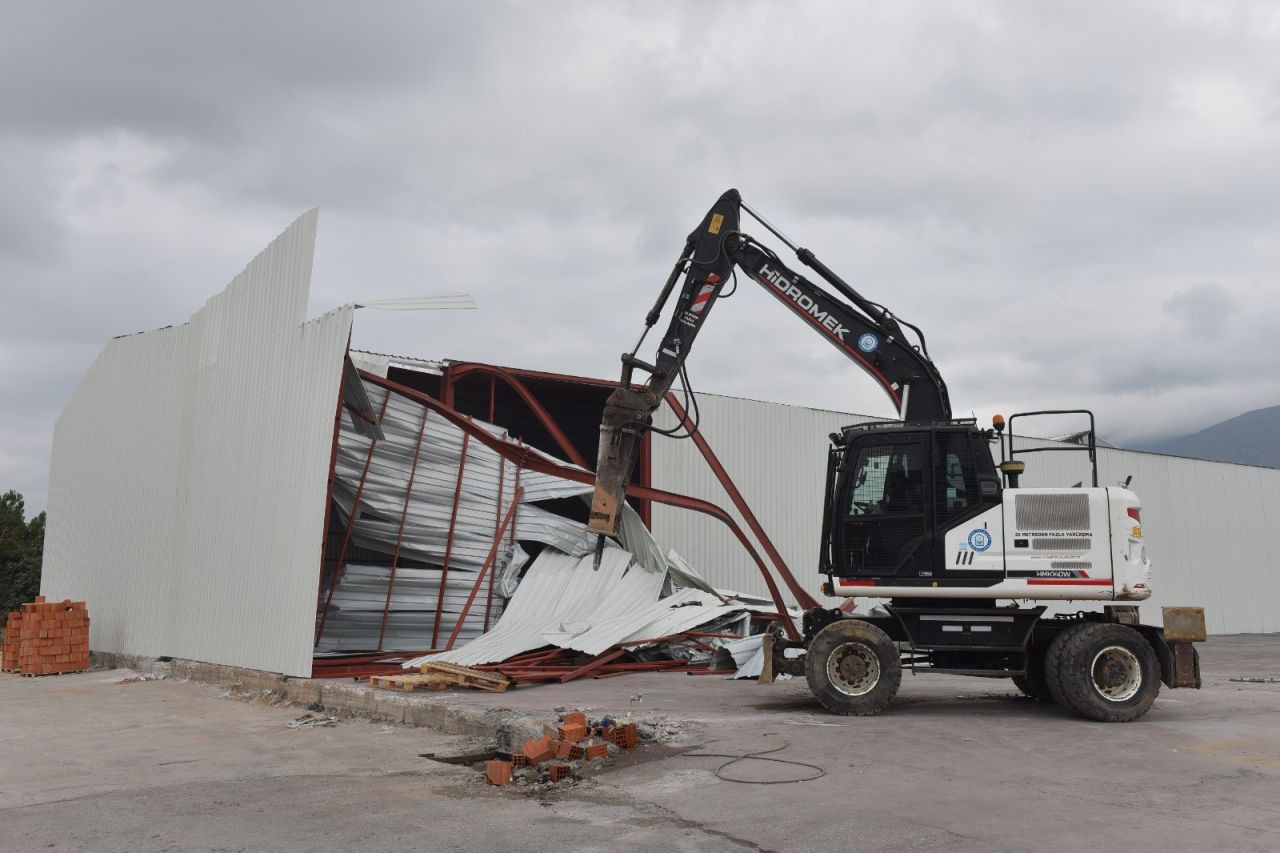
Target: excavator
{"points": [[917, 512]]}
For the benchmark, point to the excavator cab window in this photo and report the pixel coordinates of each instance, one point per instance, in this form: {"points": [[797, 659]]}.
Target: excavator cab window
{"points": [[957, 488], [886, 506]]}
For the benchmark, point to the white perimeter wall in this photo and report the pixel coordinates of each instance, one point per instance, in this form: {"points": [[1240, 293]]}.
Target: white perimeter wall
{"points": [[1209, 525], [188, 479]]}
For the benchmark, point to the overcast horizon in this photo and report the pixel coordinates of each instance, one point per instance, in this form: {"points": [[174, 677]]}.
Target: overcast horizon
{"points": [[1079, 209]]}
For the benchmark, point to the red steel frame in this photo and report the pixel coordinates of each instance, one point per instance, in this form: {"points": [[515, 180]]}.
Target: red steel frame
{"points": [[522, 458], [454, 372]]}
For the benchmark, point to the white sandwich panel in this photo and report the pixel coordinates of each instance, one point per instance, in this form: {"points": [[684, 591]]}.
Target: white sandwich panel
{"points": [[189, 473]]}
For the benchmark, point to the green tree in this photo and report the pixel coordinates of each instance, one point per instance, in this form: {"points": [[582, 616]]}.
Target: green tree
{"points": [[21, 552]]}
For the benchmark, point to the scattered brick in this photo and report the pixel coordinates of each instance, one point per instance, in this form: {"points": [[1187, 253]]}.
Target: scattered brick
{"points": [[623, 736], [574, 718], [538, 750], [572, 733], [561, 748], [497, 772], [560, 772], [597, 750]]}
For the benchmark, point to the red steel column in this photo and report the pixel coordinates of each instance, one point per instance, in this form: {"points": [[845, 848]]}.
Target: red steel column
{"points": [[497, 521], [404, 514], [488, 561], [448, 545]]}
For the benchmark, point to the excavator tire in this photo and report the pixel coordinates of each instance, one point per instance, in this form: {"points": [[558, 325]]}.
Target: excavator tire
{"points": [[853, 668], [1034, 684], [1103, 671]]}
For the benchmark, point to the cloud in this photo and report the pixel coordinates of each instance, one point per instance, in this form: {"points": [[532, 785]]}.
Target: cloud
{"points": [[1079, 209]]}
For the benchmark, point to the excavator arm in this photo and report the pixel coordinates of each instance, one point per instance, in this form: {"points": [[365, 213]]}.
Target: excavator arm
{"points": [[862, 330]]}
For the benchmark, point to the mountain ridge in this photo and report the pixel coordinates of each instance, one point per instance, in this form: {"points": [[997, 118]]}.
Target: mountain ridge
{"points": [[1252, 438]]}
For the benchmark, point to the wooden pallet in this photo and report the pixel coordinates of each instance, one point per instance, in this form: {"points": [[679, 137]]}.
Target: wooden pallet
{"points": [[408, 683], [466, 676], [436, 677]]}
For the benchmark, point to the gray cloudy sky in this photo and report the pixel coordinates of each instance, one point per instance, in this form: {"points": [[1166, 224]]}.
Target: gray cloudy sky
{"points": [[1080, 204]]}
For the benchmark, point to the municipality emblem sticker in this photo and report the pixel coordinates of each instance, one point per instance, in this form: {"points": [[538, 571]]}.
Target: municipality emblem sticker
{"points": [[979, 540], [868, 342]]}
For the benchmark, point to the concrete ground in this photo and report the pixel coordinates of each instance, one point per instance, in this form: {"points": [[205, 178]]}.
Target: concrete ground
{"points": [[954, 764]]}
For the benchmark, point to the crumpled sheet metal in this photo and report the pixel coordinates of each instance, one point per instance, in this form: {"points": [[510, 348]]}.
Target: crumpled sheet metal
{"points": [[559, 595], [746, 654], [562, 601]]}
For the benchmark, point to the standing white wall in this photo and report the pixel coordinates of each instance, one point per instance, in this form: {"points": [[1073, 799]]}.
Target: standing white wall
{"points": [[188, 479], [1208, 524]]}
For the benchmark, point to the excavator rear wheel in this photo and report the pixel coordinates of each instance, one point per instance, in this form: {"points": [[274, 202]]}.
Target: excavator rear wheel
{"points": [[853, 668]]}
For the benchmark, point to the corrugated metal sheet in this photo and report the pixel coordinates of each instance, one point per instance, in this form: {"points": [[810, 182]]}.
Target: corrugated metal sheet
{"points": [[188, 478], [560, 597], [1208, 524]]}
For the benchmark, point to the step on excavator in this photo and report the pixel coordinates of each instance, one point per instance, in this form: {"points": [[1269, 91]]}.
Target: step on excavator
{"points": [[918, 512]]}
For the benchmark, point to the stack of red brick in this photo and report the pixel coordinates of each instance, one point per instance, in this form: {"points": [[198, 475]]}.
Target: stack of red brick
{"points": [[45, 638]]}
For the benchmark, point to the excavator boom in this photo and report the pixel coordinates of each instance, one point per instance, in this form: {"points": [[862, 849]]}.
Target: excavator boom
{"points": [[862, 330]]}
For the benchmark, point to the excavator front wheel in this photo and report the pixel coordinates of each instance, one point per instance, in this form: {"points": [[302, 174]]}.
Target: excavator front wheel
{"points": [[1103, 671], [853, 668]]}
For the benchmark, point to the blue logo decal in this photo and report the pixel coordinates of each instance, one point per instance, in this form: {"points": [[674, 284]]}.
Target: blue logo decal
{"points": [[868, 342], [979, 540]]}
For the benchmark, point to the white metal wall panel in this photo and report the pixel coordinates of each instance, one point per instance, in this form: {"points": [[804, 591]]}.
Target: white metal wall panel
{"points": [[188, 477], [1209, 525]]}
